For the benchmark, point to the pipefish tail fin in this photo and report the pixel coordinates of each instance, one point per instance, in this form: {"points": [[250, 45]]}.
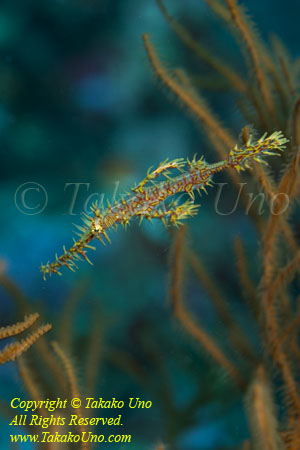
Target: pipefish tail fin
{"points": [[240, 156]]}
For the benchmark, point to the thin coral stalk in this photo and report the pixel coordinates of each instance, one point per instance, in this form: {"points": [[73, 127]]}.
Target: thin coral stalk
{"points": [[73, 385], [70, 372], [289, 329], [18, 327], [272, 227], [68, 312], [248, 287], [30, 384], [285, 65], [264, 179], [237, 337], [274, 346], [12, 351], [94, 352], [201, 51], [287, 190], [41, 346], [284, 274], [266, 182], [15, 292], [200, 112], [296, 123], [186, 84], [45, 355], [235, 81], [262, 417], [273, 341], [218, 9], [186, 320], [252, 49]]}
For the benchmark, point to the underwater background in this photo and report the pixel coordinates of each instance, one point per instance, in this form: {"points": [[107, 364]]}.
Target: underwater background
{"points": [[82, 115]]}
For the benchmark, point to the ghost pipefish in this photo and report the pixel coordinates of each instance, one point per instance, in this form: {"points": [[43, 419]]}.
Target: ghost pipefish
{"points": [[154, 199]]}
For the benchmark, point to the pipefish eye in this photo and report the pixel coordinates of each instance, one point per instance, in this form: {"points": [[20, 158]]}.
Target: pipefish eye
{"points": [[97, 225]]}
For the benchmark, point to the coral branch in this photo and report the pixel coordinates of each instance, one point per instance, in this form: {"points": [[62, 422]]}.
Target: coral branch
{"points": [[12, 351], [201, 112], [235, 80], [262, 418], [237, 337], [187, 321], [30, 383], [252, 49], [73, 385], [248, 287], [18, 327]]}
